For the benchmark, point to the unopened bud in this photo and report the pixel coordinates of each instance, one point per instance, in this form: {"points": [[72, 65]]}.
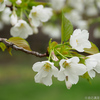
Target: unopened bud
{"points": [[13, 19], [18, 2], [68, 84], [54, 56]]}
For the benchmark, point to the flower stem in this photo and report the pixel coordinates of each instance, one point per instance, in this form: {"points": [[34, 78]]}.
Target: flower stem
{"points": [[60, 53]]}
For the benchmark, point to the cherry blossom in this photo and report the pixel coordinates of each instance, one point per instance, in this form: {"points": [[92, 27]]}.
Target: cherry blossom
{"points": [[79, 40], [5, 16], [45, 71], [18, 2], [39, 14], [13, 19], [72, 69], [21, 29], [2, 5], [57, 4], [93, 64], [52, 31]]}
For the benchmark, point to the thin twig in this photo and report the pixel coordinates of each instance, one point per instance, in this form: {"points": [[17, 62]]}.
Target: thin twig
{"points": [[10, 44]]}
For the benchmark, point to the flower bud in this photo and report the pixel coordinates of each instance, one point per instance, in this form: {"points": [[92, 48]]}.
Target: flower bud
{"points": [[18, 2], [13, 19], [68, 85], [54, 56]]}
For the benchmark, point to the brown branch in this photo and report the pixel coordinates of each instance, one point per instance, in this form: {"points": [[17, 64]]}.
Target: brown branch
{"points": [[10, 6], [10, 44]]}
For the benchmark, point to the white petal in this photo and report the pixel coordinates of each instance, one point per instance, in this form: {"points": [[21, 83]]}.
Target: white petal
{"points": [[90, 63], [73, 42], [61, 76], [35, 22], [54, 71], [96, 56], [79, 48], [91, 73], [2, 6], [37, 66], [97, 68], [61, 63], [86, 44], [14, 31], [47, 80], [73, 79], [79, 68], [74, 60], [76, 32], [37, 78], [85, 34], [46, 14]]}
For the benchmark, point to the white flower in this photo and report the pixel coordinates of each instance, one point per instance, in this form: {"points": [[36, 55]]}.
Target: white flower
{"points": [[18, 2], [57, 4], [72, 69], [79, 40], [5, 16], [91, 10], [21, 29], [45, 71], [13, 19], [77, 4], [93, 64], [2, 5], [82, 24], [7, 2], [96, 33], [39, 14], [74, 16], [52, 31], [35, 30]]}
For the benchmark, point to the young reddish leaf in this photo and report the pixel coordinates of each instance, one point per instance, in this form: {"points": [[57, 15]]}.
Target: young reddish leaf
{"points": [[20, 42], [93, 50], [2, 46]]}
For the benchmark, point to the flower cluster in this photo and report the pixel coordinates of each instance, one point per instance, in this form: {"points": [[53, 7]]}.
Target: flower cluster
{"points": [[21, 26], [68, 68], [66, 61]]}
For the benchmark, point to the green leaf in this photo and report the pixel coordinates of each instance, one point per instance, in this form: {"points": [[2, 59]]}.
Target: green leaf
{"points": [[93, 50], [86, 76], [66, 29], [20, 42], [51, 45], [2, 46], [9, 50]]}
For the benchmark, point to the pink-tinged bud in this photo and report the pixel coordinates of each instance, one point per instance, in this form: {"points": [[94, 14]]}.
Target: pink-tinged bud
{"points": [[54, 56]]}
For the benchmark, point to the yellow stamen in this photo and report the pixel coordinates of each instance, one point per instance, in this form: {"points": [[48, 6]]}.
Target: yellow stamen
{"points": [[77, 41], [65, 64], [47, 67], [34, 13]]}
